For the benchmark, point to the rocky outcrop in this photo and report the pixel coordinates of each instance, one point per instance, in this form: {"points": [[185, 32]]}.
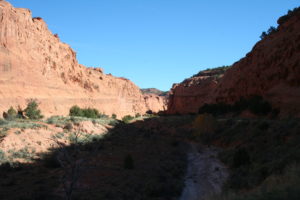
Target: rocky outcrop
{"points": [[34, 63], [188, 96], [155, 103], [154, 91], [270, 70], [155, 100]]}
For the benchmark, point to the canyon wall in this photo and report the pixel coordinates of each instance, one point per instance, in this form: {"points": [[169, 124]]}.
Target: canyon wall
{"points": [[35, 64], [188, 96], [270, 70]]}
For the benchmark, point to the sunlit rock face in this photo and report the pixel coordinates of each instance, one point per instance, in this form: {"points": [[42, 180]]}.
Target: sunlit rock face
{"points": [[270, 70], [34, 63]]}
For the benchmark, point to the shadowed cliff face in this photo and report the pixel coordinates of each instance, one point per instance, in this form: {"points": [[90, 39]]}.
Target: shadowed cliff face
{"points": [[34, 63], [270, 70], [187, 96]]}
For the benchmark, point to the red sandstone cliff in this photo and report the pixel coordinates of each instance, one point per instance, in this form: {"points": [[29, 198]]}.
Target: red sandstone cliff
{"points": [[187, 96], [155, 99], [271, 70], [155, 103], [34, 63]]}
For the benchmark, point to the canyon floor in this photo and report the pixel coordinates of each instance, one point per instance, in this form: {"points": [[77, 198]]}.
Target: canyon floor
{"points": [[205, 173], [163, 157]]}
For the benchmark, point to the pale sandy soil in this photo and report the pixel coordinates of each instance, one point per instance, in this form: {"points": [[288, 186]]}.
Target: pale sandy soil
{"points": [[205, 174], [33, 141]]}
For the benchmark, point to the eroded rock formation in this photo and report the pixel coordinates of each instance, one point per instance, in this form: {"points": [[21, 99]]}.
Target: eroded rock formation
{"points": [[34, 63], [270, 70], [193, 92]]}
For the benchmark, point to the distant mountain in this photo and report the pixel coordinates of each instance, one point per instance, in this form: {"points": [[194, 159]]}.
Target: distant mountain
{"points": [[154, 91]]}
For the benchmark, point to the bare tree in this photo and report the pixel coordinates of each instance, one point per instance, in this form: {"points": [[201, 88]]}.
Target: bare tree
{"points": [[72, 163]]}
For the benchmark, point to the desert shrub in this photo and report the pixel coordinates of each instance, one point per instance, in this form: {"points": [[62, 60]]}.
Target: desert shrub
{"points": [[256, 151], [127, 118], [290, 14], [270, 31], [204, 125], [263, 35], [137, 115], [22, 124], [90, 113], [103, 115], [279, 187], [216, 72], [113, 122], [53, 119], [2, 155], [128, 162], [32, 111], [18, 132], [68, 126], [23, 153], [11, 114], [256, 104], [85, 112], [215, 109], [3, 122], [114, 116], [3, 132], [76, 111]]}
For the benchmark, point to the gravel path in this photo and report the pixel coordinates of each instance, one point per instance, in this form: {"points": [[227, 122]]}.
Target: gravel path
{"points": [[205, 174]]}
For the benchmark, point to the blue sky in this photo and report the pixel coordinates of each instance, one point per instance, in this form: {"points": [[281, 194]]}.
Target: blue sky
{"points": [[156, 43]]}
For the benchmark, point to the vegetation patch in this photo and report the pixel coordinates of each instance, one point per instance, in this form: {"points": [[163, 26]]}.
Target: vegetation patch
{"points": [[127, 118], [64, 122], [32, 111], [259, 152], [290, 14], [255, 104], [21, 124], [86, 112]]}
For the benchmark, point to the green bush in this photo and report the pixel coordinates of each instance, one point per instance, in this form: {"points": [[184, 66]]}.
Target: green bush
{"points": [[114, 116], [127, 118], [270, 31], [85, 112], [32, 111], [290, 14], [256, 104], [76, 111], [3, 122], [11, 114], [90, 113]]}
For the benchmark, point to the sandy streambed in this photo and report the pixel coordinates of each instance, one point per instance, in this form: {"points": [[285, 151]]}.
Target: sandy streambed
{"points": [[205, 173]]}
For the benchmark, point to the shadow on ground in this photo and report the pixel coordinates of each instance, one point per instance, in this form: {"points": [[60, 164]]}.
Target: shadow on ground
{"points": [[142, 160]]}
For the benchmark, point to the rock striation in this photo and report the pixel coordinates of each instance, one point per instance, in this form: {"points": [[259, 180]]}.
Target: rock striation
{"points": [[34, 63], [270, 70]]}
